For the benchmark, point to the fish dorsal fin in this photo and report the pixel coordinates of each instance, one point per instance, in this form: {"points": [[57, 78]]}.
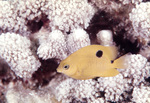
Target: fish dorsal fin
{"points": [[111, 52]]}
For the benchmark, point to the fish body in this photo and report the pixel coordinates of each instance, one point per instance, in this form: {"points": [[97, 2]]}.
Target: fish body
{"points": [[92, 61]]}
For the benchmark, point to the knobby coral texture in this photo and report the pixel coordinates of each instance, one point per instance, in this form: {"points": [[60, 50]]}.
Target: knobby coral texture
{"points": [[35, 35]]}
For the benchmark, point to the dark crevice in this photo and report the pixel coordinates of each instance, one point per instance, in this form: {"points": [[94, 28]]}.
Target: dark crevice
{"points": [[2, 98], [6, 74], [35, 24], [102, 94], [45, 73], [126, 46], [3, 70], [147, 79], [68, 32], [112, 102], [101, 21], [106, 21], [75, 100], [89, 1], [148, 43], [129, 96], [146, 1]]}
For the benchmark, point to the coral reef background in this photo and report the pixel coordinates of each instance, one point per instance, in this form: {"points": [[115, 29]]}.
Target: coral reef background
{"points": [[35, 35]]}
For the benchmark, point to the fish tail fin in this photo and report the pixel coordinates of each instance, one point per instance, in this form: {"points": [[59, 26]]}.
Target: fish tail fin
{"points": [[112, 52], [120, 63]]}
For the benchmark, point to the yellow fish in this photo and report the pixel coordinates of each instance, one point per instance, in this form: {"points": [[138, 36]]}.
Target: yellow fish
{"points": [[92, 61]]}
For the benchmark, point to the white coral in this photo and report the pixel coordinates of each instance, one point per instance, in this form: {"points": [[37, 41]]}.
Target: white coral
{"points": [[141, 94], [105, 37], [145, 51], [14, 15], [140, 18], [63, 14], [54, 46], [107, 5], [70, 14], [112, 86], [130, 1], [138, 69], [77, 39], [77, 89], [16, 93], [16, 50]]}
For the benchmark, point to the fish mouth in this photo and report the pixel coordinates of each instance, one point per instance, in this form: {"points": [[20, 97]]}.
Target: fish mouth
{"points": [[58, 70]]}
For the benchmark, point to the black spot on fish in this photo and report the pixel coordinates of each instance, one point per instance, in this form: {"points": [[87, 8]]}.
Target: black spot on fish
{"points": [[112, 61], [99, 53]]}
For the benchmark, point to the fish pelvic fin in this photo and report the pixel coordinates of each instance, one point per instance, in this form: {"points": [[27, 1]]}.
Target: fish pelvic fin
{"points": [[120, 63]]}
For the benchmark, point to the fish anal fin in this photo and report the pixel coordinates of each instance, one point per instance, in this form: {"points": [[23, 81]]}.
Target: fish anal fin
{"points": [[110, 73]]}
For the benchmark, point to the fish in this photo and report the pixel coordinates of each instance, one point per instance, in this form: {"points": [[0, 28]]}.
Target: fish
{"points": [[92, 61]]}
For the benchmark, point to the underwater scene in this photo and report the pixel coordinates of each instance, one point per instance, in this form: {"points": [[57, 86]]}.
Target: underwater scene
{"points": [[74, 51]]}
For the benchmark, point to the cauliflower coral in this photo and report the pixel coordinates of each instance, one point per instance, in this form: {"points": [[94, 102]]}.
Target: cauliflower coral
{"points": [[20, 16], [35, 35], [140, 18], [17, 51], [54, 46]]}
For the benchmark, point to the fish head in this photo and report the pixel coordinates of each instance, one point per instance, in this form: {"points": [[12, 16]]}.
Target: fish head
{"points": [[67, 68]]}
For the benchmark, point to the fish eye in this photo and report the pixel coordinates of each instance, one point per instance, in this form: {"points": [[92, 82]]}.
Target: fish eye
{"points": [[99, 53], [66, 67]]}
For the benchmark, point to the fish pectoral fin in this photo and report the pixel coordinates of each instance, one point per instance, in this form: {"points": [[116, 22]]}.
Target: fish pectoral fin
{"points": [[110, 73]]}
